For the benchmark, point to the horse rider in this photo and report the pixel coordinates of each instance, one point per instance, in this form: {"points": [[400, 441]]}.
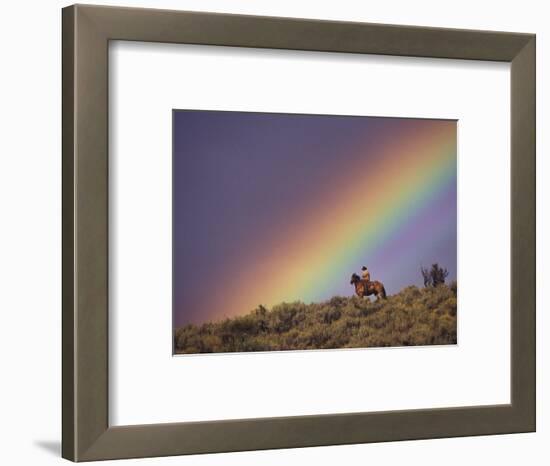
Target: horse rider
{"points": [[365, 274]]}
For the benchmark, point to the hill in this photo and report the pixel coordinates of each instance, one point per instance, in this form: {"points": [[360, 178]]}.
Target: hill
{"points": [[414, 316]]}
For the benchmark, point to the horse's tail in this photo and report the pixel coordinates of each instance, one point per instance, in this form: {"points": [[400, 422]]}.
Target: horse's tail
{"points": [[383, 292]]}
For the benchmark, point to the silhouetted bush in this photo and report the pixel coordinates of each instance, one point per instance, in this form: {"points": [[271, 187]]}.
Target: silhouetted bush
{"points": [[434, 276]]}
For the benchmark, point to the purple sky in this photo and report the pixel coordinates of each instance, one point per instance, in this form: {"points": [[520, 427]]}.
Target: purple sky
{"points": [[238, 178]]}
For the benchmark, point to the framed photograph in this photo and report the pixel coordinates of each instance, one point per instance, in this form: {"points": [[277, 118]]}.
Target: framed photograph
{"points": [[284, 233], [275, 214]]}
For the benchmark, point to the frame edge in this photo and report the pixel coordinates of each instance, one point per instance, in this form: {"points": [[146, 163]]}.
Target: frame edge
{"points": [[523, 234], [68, 421]]}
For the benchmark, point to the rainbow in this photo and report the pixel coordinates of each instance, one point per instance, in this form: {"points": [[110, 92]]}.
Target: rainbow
{"points": [[368, 207]]}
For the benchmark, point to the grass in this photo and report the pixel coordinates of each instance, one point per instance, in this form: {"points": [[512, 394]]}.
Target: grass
{"points": [[412, 317]]}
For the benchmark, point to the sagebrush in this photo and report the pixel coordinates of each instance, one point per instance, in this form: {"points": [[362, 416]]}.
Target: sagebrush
{"points": [[412, 317]]}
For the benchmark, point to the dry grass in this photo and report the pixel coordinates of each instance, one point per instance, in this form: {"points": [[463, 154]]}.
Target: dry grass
{"points": [[412, 317]]}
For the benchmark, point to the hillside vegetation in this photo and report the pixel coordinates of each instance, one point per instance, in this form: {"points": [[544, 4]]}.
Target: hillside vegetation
{"points": [[414, 316]]}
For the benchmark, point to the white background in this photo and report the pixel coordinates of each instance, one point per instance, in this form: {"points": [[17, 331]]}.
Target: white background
{"points": [[148, 385], [30, 248]]}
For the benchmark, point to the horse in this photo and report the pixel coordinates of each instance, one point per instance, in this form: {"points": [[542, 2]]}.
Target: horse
{"points": [[366, 288]]}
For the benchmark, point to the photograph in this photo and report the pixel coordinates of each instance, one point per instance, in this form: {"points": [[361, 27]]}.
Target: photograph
{"points": [[309, 232]]}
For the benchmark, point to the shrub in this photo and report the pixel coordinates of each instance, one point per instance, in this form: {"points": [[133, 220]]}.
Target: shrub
{"points": [[434, 276]]}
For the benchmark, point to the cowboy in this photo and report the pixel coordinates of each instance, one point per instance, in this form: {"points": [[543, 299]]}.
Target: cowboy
{"points": [[365, 274]]}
